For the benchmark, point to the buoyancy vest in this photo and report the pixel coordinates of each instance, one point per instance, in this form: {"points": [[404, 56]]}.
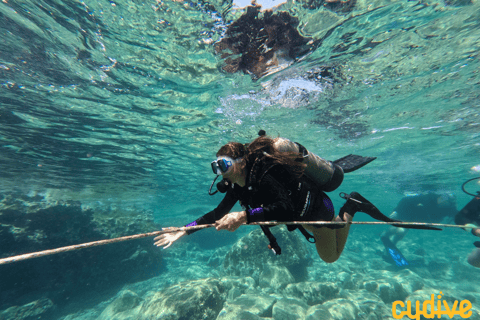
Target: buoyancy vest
{"points": [[298, 188]]}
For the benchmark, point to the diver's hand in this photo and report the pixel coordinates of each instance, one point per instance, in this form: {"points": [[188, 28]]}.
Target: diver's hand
{"points": [[231, 221], [167, 239]]}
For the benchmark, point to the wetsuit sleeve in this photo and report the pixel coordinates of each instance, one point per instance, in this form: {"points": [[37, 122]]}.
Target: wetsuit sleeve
{"points": [[277, 202], [219, 212]]}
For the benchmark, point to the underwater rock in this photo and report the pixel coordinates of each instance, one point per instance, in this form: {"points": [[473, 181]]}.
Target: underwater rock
{"points": [[247, 306], [394, 288], [275, 277], [237, 286], [390, 290], [318, 312], [125, 306], [33, 310], [410, 280], [370, 305], [244, 315], [30, 224], [342, 309], [289, 309], [312, 293], [199, 299], [250, 255], [348, 280]]}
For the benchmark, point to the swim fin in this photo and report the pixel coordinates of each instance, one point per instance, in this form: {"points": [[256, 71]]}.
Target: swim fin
{"points": [[477, 244], [353, 162], [356, 202], [394, 253]]}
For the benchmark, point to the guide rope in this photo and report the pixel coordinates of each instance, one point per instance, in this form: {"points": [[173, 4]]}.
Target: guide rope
{"points": [[204, 226]]}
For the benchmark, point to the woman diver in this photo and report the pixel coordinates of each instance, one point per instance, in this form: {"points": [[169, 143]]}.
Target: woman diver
{"points": [[272, 183]]}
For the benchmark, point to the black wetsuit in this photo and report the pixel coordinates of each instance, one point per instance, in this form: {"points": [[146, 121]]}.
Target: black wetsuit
{"points": [[424, 208], [470, 213], [271, 193]]}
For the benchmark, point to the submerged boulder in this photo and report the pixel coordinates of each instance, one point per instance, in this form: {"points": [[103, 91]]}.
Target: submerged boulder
{"points": [[313, 293], [34, 310], [342, 309], [275, 277], [289, 309], [199, 299], [247, 306], [30, 224], [250, 256], [126, 305], [394, 288]]}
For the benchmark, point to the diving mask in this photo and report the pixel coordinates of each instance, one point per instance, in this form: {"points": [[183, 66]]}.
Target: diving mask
{"points": [[222, 164]]}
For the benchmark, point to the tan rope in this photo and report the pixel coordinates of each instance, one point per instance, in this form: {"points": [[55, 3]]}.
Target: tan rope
{"points": [[204, 226]]}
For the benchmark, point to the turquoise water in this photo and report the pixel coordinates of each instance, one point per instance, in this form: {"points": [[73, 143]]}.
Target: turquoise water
{"points": [[123, 104]]}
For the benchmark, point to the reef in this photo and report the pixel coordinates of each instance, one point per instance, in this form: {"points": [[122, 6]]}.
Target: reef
{"points": [[251, 257], [361, 285], [30, 224]]}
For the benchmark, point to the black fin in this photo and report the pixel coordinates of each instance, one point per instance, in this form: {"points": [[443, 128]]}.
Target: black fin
{"points": [[414, 226], [477, 244], [353, 162], [356, 202]]}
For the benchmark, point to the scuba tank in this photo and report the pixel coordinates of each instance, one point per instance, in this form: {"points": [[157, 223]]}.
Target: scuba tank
{"points": [[325, 174]]}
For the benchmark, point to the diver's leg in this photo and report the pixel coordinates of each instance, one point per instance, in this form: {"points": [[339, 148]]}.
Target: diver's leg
{"points": [[399, 234], [387, 234], [390, 232], [330, 242], [394, 234]]}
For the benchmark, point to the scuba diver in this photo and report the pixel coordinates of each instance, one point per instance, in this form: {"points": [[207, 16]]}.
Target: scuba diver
{"points": [[470, 216], [429, 208], [276, 179]]}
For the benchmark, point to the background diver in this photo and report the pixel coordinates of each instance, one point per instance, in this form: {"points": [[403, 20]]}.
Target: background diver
{"points": [[429, 208], [470, 216], [276, 179]]}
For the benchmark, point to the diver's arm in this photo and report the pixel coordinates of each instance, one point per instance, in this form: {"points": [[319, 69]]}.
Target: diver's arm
{"points": [[219, 212], [223, 208], [165, 240], [232, 221]]}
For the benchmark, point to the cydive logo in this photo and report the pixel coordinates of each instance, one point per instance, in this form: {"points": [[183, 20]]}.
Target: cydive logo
{"points": [[462, 311]]}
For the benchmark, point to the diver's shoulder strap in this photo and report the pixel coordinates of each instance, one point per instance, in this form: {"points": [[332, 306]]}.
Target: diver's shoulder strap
{"points": [[257, 173]]}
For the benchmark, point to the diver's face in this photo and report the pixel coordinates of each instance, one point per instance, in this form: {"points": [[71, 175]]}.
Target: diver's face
{"points": [[224, 165], [229, 170]]}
